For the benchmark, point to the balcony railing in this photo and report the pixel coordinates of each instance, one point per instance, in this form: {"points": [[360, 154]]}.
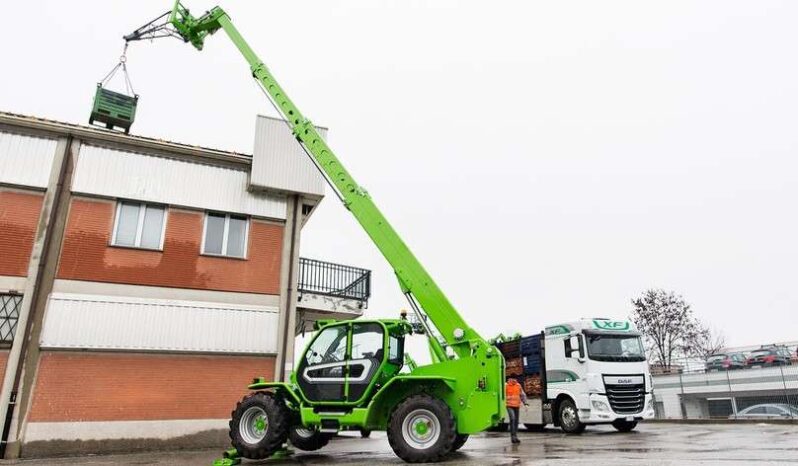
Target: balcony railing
{"points": [[338, 280]]}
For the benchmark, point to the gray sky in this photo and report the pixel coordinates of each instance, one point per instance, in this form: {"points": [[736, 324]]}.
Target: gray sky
{"points": [[546, 161]]}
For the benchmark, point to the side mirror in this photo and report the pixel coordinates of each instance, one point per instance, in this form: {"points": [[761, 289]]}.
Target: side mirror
{"points": [[578, 347]]}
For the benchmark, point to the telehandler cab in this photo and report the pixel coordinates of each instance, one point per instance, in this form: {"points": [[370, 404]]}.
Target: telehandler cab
{"points": [[349, 375]]}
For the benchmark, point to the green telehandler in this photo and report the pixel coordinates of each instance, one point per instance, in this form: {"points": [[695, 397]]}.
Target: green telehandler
{"points": [[349, 375]]}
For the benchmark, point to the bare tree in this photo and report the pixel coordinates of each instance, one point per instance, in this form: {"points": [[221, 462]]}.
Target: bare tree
{"points": [[706, 342], [667, 323]]}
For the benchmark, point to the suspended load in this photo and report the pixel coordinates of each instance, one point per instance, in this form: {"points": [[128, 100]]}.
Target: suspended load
{"points": [[115, 109]]}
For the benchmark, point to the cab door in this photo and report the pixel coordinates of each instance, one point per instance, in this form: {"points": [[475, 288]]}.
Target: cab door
{"points": [[321, 373], [366, 358]]}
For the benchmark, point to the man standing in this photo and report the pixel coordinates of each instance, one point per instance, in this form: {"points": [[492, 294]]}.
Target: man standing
{"points": [[514, 395]]}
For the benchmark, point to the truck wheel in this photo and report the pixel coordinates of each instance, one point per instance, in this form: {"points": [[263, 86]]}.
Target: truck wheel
{"points": [[569, 418], [459, 441], [623, 425], [307, 439], [259, 425], [365, 433], [421, 430]]}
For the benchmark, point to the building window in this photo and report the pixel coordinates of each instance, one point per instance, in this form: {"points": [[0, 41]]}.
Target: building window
{"points": [[9, 313], [139, 225], [225, 235]]}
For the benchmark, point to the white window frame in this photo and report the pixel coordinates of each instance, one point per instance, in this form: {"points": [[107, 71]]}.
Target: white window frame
{"points": [[140, 225], [225, 233]]}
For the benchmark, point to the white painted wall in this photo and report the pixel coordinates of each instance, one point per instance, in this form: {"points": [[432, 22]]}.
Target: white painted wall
{"points": [[26, 160], [75, 321], [129, 175]]}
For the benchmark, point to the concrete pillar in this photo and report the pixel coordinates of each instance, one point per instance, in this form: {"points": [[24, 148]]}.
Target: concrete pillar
{"points": [[288, 293], [24, 354]]}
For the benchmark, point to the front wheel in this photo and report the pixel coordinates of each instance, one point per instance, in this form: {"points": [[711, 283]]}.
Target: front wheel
{"points": [[422, 430], [623, 425], [307, 439], [569, 418], [259, 425]]}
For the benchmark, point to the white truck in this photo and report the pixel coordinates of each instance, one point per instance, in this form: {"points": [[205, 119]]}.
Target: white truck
{"points": [[592, 371]]}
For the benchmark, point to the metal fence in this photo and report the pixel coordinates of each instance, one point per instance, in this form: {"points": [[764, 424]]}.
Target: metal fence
{"points": [[332, 279], [9, 314], [747, 389]]}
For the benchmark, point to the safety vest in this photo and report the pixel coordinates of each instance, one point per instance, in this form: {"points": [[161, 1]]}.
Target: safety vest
{"points": [[512, 394]]}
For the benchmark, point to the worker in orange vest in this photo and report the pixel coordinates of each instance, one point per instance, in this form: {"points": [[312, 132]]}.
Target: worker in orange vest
{"points": [[514, 395]]}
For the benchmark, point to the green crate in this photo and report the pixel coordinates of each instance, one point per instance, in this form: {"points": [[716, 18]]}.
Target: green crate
{"points": [[113, 109]]}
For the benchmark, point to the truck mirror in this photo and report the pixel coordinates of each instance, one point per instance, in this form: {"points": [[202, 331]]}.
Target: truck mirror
{"points": [[577, 346]]}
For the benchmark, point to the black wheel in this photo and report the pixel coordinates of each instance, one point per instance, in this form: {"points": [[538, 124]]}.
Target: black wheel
{"points": [[569, 418], [623, 425], [259, 425], [421, 430], [365, 433], [307, 439], [535, 427], [459, 441]]}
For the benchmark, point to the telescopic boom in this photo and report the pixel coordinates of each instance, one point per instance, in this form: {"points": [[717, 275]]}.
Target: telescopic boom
{"points": [[414, 280]]}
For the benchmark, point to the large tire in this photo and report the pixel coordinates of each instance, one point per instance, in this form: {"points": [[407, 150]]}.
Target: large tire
{"points": [[259, 425], [422, 430], [569, 418], [307, 439], [459, 441], [623, 425]]}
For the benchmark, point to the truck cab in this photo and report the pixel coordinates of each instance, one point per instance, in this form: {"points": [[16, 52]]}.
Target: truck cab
{"points": [[597, 373], [592, 371]]}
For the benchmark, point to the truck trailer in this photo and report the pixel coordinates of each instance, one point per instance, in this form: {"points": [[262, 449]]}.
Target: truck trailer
{"points": [[591, 371]]}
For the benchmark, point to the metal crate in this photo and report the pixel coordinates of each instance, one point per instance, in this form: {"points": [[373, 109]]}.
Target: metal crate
{"points": [[113, 109]]}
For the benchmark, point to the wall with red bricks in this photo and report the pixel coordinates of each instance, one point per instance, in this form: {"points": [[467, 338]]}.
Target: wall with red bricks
{"points": [[73, 387], [19, 217], [86, 254]]}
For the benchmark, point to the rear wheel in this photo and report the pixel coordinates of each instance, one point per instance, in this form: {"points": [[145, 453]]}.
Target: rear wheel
{"points": [[422, 430], [307, 439], [365, 433], [569, 418], [259, 425], [459, 441], [623, 425]]}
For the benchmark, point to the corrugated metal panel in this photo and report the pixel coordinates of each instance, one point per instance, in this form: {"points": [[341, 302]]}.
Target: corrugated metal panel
{"points": [[279, 161], [111, 322], [114, 173], [26, 160]]}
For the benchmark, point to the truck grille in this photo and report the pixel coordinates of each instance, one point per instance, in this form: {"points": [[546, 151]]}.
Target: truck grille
{"points": [[626, 399]]}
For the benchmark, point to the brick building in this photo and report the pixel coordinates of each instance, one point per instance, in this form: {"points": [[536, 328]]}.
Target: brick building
{"points": [[143, 283]]}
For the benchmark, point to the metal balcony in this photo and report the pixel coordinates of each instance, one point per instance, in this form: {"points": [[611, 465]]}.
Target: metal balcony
{"points": [[331, 291]]}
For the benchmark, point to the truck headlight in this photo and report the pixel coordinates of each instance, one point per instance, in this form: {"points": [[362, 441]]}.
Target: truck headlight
{"points": [[599, 405]]}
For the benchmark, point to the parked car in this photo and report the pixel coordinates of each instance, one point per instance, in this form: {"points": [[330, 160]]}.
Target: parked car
{"points": [[768, 411], [770, 356], [725, 362]]}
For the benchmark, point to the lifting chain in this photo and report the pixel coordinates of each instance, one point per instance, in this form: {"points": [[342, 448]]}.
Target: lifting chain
{"points": [[123, 65]]}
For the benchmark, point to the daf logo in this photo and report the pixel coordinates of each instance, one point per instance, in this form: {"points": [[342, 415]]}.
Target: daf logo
{"points": [[625, 381]]}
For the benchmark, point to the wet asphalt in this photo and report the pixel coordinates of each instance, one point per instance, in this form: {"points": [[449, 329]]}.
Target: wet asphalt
{"points": [[654, 444]]}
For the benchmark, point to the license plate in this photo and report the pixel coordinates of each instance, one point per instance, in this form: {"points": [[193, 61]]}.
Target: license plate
{"points": [[629, 419]]}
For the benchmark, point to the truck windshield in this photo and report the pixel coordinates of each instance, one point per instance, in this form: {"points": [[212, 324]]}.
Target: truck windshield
{"points": [[615, 347]]}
